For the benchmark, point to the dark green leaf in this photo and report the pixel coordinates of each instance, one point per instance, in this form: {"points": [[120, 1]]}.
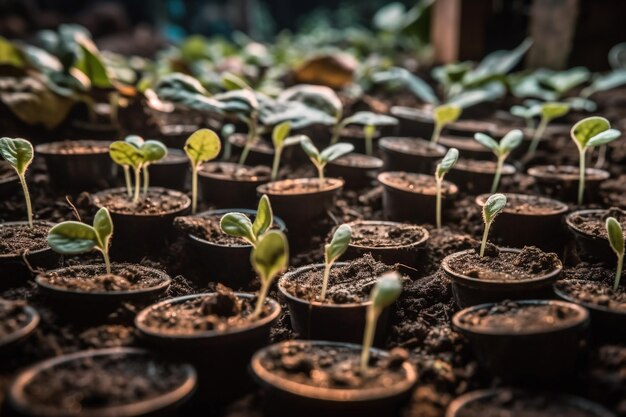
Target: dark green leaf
{"points": [[238, 225], [72, 238]]}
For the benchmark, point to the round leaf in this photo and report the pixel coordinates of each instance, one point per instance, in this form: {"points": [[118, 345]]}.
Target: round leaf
{"points": [[270, 256], [338, 244], [238, 225], [203, 145], [264, 216], [550, 111], [153, 151], [280, 132], [335, 151], [587, 128], [18, 152], [511, 140], [493, 206], [103, 225], [135, 140], [487, 141], [447, 162], [72, 238], [446, 113], [616, 235], [125, 154], [310, 149], [386, 291], [604, 137]]}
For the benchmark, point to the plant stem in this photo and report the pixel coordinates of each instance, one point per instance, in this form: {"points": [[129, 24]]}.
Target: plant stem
{"points": [[435, 136], [438, 181], [601, 156], [320, 173], [484, 241], [581, 173], [249, 140], [496, 177], [137, 184], [325, 278], [129, 187], [29, 207], [107, 261], [336, 132], [368, 336], [277, 153], [369, 145], [261, 300], [618, 271], [537, 137], [146, 179], [194, 189]]}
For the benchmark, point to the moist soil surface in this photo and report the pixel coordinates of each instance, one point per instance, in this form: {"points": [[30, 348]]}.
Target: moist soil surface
{"points": [[417, 183], [599, 293], [90, 384], [297, 187], [512, 317], [483, 167], [412, 146], [235, 172], [12, 317], [76, 147], [530, 263], [594, 223], [334, 367], [530, 204], [565, 173], [157, 201], [381, 235], [347, 284], [123, 277], [220, 311], [357, 161], [15, 239]]}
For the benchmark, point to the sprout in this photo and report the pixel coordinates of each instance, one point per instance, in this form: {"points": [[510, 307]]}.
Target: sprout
{"points": [[19, 154], [442, 169], [203, 145], [501, 150], [386, 291], [73, 238], [616, 240], [239, 225], [526, 113], [280, 139], [587, 133], [269, 258], [493, 206], [152, 151], [370, 121], [548, 112], [444, 114], [320, 159], [332, 251]]}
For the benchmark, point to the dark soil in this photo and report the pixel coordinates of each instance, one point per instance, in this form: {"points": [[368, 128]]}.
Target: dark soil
{"points": [[530, 204], [157, 201], [598, 293], [296, 187], [417, 183], [12, 317], [124, 277], [358, 161], [220, 311], [334, 367], [512, 317], [484, 167], [594, 223], [412, 146], [381, 235], [15, 239], [75, 147], [207, 227], [235, 172], [530, 263]]}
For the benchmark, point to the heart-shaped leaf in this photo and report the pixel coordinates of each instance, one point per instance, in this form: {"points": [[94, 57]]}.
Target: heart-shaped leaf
{"points": [[487, 141], [336, 151], [447, 162], [238, 225], [72, 238], [587, 128], [153, 151], [616, 235], [493, 206], [125, 154], [264, 216], [550, 111], [270, 256], [386, 290], [280, 132], [203, 145], [446, 113], [18, 152], [511, 140], [338, 244], [103, 226]]}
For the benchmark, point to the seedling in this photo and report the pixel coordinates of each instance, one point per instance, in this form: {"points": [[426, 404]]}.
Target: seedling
{"points": [[443, 168], [241, 100], [19, 154], [73, 238], [281, 138], [332, 251], [386, 291], [269, 258], [442, 115], [320, 159], [239, 225], [370, 121], [152, 151], [588, 133], [526, 113], [548, 112], [501, 150], [203, 145], [493, 206], [616, 240]]}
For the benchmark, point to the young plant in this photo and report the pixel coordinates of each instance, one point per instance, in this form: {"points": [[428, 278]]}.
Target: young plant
{"points": [[281, 138], [332, 251], [616, 240], [73, 238], [19, 154], [588, 133], [442, 169], [203, 145], [442, 115], [493, 206], [386, 291], [320, 159], [526, 113], [370, 121], [501, 150], [548, 111], [269, 258], [152, 151], [239, 225]]}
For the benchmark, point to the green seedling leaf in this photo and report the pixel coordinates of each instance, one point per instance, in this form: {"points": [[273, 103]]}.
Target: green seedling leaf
{"points": [[310, 149], [420, 88], [336, 151], [271, 255], [280, 132], [603, 138], [72, 238], [264, 217], [584, 130], [153, 151], [203, 145], [316, 97], [616, 240], [238, 225], [511, 140], [368, 118], [493, 206], [551, 111], [125, 154], [445, 114], [487, 141], [103, 226], [447, 162], [18, 152], [233, 82], [135, 140], [338, 244]]}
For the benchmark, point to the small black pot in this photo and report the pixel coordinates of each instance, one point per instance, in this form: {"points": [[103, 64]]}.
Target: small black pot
{"points": [[525, 229], [547, 355], [470, 291], [405, 205], [420, 158], [13, 340], [562, 182], [79, 171], [261, 152], [335, 322], [468, 127], [223, 192], [474, 180], [94, 130], [172, 172], [175, 136], [413, 122], [220, 358], [468, 147], [591, 245], [164, 405], [285, 397], [356, 176]]}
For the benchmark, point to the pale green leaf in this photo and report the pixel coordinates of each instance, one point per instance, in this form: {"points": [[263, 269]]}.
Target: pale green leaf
{"points": [[203, 145], [616, 235], [446, 113], [72, 238], [338, 244], [493, 206], [386, 291], [447, 162], [18, 152], [270, 256], [103, 226], [238, 225], [587, 128], [264, 216], [336, 151], [125, 154], [280, 132]]}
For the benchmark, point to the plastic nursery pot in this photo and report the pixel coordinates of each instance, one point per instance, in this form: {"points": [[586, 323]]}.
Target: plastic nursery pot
{"points": [[261, 151], [14, 267], [354, 135], [18, 321], [528, 341], [410, 154], [224, 263], [221, 357], [66, 292], [175, 135], [290, 396], [76, 385], [9, 181], [357, 170], [78, 165], [380, 239], [141, 229], [562, 182], [470, 291], [529, 220], [336, 322], [227, 184], [467, 147], [476, 177], [413, 122], [593, 245], [94, 130], [412, 197], [468, 128], [503, 401], [170, 172]]}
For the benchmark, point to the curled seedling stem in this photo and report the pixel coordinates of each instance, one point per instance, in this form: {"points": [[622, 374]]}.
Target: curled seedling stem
{"points": [[203, 145], [332, 251], [269, 258], [240, 225], [616, 240], [19, 154], [493, 206], [442, 169], [501, 150]]}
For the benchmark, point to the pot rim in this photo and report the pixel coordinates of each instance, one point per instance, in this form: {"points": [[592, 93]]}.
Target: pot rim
{"points": [[174, 151], [589, 306], [376, 162], [332, 185], [537, 172], [166, 280], [571, 226], [34, 252], [482, 198], [179, 194], [507, 169], [19, 401], [332, 394], [24, 331], [583, 317], [383, 179], [384, 142], [211, 175], [206, 334], [45, 148], [457, 276], [232, 140], [412, 113], [422, 241]]}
